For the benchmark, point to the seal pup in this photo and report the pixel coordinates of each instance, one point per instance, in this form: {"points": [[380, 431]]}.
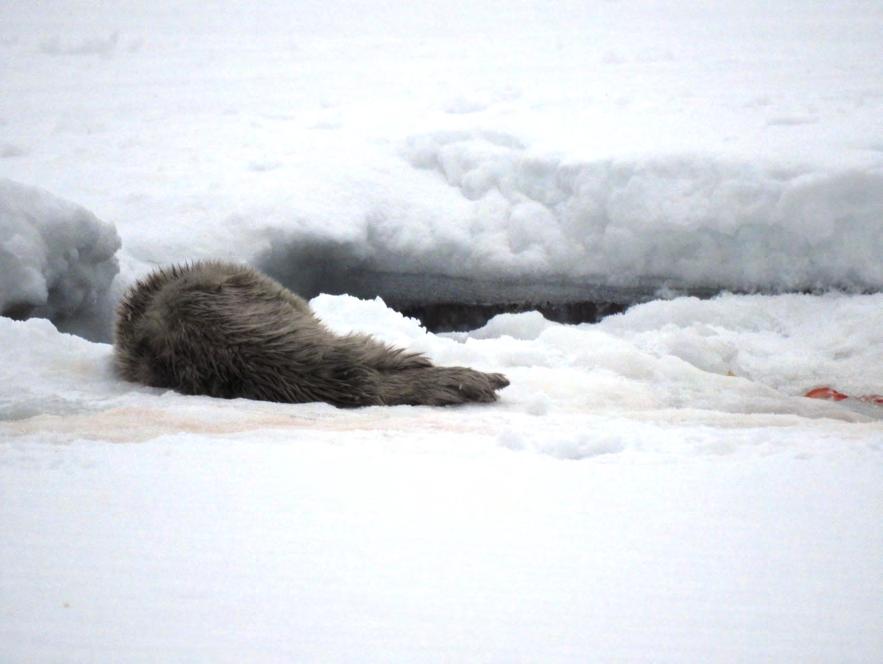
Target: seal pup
{"points": [[226, 330]]}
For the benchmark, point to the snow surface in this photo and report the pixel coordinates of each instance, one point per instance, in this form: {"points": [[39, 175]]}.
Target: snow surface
{"points": [[652, 488], [57, 260], [733, 145]]}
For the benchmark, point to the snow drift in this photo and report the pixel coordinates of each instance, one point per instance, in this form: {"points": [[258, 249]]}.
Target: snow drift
{"points": [[683, 220], [537, 227], [57, 260]]}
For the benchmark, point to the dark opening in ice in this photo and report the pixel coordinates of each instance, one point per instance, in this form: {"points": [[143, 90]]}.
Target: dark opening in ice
{"points": [[445, 303], [462, 317]]}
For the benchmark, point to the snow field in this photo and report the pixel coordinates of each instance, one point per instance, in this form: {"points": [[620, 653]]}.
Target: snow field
{"points": [[320, 548], [584, 513], [733, 147], [652, 488], [595, 509]]}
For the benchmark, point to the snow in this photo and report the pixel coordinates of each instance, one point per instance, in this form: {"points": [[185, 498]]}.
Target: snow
{"points": [[627, 496], [683, 220], [313, 548], [610, 144], [56, 259], [650, 488], [751, 356]]}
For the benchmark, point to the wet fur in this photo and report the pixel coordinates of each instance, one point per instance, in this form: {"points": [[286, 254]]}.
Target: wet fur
{"points": [[226, 330]]}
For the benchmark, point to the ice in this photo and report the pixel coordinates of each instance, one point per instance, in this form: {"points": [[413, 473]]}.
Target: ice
{"points": [[56, 260], [614, 488], [650, 488]]}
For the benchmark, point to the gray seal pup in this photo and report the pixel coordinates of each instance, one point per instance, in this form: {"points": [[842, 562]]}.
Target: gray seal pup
{"points": [[226, 330]]}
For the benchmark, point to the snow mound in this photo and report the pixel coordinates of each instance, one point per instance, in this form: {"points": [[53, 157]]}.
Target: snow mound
{"points": [[346, 315], [527, 325], [684, 220], [790, 343], [57, 260], [477, 217], [735, 353]]}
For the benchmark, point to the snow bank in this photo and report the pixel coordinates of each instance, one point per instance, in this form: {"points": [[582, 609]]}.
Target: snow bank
{"points": [[734, 354], [486, 219], [683, 220], [791, 343], [57, 260], [687, 349]]}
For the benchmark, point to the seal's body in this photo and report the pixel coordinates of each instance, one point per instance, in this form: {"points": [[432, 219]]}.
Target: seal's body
{"points": [[226, 330]]}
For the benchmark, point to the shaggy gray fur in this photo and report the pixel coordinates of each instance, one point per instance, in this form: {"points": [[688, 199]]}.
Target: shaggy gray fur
{"points": [[229, 331]]}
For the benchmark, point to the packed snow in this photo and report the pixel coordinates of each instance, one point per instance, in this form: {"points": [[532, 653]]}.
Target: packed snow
{"points": [[713, 512], [654, 487]]}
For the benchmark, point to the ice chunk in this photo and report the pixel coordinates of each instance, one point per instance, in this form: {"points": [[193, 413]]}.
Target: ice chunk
{"points": [[57, 261]]}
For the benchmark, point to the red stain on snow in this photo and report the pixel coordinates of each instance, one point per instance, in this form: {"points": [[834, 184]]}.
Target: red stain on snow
{"points": [[831, 394]]}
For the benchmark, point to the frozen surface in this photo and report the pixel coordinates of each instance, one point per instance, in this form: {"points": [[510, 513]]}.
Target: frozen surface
{"points": [[625, 144], [653, 488], [56, 260], [370, 545]]}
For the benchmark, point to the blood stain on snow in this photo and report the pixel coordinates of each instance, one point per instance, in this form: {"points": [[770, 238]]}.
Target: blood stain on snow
{"points": [[115, 425], [831, 394]]}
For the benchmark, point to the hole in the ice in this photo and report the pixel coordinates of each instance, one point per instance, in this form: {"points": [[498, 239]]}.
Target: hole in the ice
{"points": [[462, 317], [445, 303]]}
